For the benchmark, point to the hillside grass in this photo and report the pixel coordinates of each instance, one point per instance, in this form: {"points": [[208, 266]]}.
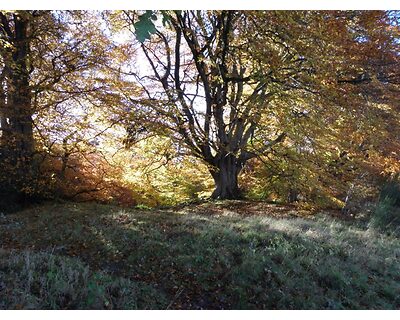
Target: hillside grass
{"points": [[211, 256]]}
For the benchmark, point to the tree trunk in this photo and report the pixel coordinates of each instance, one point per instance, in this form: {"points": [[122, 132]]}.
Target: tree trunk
{"points": [[16, 117], [21, 124], [225, 173], [293, 195]]}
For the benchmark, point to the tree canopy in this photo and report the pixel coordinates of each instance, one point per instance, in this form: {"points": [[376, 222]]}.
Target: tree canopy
{"points": [[287, 104]]}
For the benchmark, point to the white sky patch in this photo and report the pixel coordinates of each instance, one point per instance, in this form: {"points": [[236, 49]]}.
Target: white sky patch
{"points": [[139, 65]]}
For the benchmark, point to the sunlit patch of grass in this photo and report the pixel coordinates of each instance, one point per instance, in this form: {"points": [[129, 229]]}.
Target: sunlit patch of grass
{"points": [[230, 260]]}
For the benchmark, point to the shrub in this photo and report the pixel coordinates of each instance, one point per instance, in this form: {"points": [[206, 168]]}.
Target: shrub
{"points": [[391, 191], [386, 216]]}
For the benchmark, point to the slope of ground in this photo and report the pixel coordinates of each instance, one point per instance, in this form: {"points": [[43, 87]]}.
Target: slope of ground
{"points": [[236, 255]]}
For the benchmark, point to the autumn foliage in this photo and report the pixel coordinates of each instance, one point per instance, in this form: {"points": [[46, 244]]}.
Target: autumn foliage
{"points": [[156, 108]]}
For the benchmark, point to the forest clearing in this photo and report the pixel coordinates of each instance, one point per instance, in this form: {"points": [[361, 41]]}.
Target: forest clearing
{"points": [[199, 159], [206, 256]]}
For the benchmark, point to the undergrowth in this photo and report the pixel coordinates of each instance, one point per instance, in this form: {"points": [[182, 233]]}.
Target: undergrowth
{"points": [[386, 216], [44, 281]]}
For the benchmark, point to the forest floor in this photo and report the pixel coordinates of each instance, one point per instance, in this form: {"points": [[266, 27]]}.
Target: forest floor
{"points": [[230, 255]]}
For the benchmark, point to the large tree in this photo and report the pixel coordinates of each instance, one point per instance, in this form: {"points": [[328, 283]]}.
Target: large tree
{"points": [[49, 63], [230, 85], [16, 107]]}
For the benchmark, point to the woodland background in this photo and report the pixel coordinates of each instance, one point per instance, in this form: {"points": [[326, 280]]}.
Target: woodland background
{"points": [[110, 106], [117, 127]]}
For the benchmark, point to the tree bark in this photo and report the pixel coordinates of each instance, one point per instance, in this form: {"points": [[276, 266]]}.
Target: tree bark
{"points": [[225, 173], [17, 125], [20, 96]]}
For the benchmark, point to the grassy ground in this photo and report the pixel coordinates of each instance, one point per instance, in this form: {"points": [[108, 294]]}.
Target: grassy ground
{"points": [[236, 255]]}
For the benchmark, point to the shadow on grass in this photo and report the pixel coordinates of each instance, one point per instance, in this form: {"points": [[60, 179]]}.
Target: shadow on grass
{"points": [[224, 262]]}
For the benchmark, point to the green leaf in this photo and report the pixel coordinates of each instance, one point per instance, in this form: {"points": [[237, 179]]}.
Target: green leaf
{"points": [[145, 27], [165, 18]]}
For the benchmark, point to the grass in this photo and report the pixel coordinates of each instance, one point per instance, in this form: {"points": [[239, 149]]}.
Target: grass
{"points": [[215, 256], [45, 281]]}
